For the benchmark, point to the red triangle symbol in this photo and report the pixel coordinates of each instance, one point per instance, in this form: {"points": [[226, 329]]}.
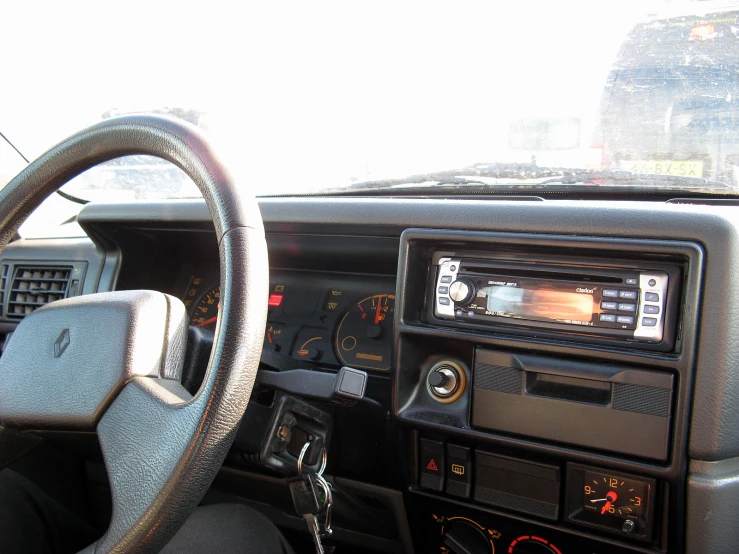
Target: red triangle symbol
{"points": [[432, 465]]}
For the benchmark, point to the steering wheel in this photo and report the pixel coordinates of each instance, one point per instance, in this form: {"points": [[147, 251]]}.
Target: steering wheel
{"points": [[111, 362]]}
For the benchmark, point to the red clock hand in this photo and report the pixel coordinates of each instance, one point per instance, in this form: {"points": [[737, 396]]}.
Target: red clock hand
{"points": [[611, 496]]}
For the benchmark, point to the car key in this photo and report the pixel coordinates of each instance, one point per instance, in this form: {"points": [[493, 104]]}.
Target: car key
{"points": [[315, 531], [307, 504], [305, 495]]}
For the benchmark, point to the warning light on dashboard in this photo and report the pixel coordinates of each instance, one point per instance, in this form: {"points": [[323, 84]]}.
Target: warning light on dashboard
{"points": [[275, 300], [457, 469]]}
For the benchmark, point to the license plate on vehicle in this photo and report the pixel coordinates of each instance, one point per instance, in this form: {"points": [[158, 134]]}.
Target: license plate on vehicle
{"points": [[679, 168]]}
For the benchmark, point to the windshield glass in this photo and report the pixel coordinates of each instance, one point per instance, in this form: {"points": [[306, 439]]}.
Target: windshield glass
{"points": [[307, 97]]}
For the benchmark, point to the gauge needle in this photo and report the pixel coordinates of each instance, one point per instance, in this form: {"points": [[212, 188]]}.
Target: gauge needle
{"points": [[377, 313], [207, 322], [599, 500], [610, 498]]}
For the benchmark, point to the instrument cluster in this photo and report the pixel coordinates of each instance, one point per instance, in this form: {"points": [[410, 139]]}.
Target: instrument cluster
{"points": [[327, 319]]}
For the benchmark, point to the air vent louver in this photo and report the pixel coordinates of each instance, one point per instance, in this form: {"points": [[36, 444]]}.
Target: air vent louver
{"points": [[33, 287]]}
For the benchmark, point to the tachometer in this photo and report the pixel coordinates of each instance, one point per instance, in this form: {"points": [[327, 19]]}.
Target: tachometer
{"points": [[205, 313], [364, 338]]}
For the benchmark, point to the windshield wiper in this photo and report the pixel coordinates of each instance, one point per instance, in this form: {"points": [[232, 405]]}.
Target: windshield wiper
{"points": [[495, 174], [621, 177], [464, 176]]}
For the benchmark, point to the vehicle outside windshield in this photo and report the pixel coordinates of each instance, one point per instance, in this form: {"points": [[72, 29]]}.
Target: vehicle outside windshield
{"points": [[345, 97]]}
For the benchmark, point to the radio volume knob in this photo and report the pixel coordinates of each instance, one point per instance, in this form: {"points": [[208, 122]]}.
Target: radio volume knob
{"points": [[461, 291]]}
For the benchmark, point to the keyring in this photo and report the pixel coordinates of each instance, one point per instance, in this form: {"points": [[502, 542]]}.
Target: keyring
{"points": [[305, 448], [324, 459]]}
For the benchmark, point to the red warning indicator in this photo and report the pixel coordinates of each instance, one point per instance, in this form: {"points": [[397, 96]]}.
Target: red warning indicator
{"points": [[274, 300], [432, 465]]}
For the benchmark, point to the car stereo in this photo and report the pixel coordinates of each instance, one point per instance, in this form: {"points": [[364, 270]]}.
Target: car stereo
{"points": [[594, 300]]}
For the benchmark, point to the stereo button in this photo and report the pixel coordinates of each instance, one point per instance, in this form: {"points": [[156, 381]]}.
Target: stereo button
{"points": [[443, 290], [625, 319], [443, 300], [609, 305], [609, 293], [628, 294], [632, 281], [651, 309], [608, 318], [627, 307], [651, 297], [446, 279], [649, 321]]}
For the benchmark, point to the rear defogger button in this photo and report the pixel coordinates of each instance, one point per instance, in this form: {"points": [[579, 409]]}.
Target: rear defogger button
{"points": [[458, 471]]}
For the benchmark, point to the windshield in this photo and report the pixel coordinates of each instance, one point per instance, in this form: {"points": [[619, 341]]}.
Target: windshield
{"points": [[307, 97]]}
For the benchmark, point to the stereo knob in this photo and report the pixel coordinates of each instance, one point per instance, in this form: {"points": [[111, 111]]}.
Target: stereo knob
{"points": [[461, 291]]}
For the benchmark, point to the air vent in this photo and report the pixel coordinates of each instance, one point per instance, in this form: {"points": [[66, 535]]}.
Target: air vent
{"points": [[33, 287], [3, 283]]}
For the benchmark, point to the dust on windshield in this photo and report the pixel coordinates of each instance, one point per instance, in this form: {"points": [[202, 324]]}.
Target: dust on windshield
{"points": [[330, 96]]}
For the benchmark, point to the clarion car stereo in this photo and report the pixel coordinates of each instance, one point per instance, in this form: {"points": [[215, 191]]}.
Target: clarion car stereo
{"points": [[591, 300]]}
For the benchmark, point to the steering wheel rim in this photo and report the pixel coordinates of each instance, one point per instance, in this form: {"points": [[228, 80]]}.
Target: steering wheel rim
{"points": [[163, 447]]}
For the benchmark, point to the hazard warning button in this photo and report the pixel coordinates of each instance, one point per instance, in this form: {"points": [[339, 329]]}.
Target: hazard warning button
{"points": [[432, 465]]}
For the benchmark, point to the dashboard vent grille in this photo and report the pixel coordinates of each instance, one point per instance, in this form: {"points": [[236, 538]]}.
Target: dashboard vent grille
{"points": [[3, 282], [33, 287]]}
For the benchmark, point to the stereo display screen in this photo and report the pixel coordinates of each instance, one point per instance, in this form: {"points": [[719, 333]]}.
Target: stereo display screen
{"points": [[546, 302]]}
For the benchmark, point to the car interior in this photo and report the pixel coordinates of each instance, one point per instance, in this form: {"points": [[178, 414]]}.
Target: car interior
{"points": [[414, 369]]}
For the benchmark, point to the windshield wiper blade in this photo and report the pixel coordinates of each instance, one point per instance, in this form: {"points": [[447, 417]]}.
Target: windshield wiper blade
{"points": [[538, 177], [465, 175], [617, 177]]}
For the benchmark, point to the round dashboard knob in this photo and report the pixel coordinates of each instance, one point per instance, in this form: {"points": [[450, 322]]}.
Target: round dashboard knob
{"points": [[446, 381], [443, 380], [437, 379], [466, 537], [461, 291]]}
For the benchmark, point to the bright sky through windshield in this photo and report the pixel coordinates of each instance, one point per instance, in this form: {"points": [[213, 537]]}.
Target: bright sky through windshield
{"points": [[310, 95]]}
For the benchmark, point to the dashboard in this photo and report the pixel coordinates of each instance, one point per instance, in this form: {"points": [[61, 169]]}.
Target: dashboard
{"points": [[331, 319], [547, 375]]}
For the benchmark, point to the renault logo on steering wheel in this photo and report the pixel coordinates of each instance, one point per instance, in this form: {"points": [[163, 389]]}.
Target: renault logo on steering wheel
{"points": [[61, 343]]}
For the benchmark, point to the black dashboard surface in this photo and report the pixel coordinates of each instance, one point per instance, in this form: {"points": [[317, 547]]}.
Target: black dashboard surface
{"points": [[350, 245], [716, 227]]}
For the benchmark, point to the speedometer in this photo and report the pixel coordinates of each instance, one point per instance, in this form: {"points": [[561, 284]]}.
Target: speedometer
{"points": [[364, 338], [205, 313]]}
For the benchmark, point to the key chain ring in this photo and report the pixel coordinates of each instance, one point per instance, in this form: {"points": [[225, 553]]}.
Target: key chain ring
{"points": [[304, 450]]}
